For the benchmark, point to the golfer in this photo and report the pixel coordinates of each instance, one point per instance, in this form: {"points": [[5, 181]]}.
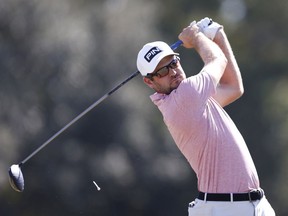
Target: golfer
{"points": [[192, 109]]}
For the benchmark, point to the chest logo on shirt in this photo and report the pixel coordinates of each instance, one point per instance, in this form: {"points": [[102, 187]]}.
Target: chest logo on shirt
{"points": [[152, 53]]}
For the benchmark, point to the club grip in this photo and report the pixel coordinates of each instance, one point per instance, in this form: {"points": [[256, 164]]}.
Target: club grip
{"points": [[176, 45]]}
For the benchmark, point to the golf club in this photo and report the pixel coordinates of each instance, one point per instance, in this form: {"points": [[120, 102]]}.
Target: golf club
{"points": [[16, 178]]}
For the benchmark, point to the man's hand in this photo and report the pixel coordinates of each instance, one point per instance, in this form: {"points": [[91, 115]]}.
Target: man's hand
{"points": [[209, 27], [189, 34]]}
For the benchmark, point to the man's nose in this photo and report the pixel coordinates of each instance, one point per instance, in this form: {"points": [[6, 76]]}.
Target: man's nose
{"points": [[172, 71]]}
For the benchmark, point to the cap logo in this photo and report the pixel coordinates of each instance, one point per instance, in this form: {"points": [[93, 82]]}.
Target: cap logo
{"points": [[152, 53]]}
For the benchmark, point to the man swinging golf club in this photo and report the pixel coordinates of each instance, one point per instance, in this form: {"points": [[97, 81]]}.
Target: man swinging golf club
{"points": [[192, 108]]}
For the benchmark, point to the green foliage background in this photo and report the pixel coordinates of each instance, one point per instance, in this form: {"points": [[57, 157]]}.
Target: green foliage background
{"points": [[58, 57]]}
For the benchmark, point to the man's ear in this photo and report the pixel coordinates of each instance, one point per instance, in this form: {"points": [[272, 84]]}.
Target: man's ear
{"points": [[148, 82]]}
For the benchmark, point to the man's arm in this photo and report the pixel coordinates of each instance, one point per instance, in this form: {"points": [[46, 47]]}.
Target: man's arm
{"points": [[212, 56], [230, 87]]}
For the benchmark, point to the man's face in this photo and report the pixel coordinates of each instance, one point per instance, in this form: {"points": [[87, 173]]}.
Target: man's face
{"points": [[163, 82]]}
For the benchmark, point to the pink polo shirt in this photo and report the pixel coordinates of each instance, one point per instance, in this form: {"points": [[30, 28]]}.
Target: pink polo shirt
{"points": [[207, 137]]}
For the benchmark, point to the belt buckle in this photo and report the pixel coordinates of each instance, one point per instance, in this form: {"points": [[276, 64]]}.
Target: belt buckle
{"points": [[260, 192]]}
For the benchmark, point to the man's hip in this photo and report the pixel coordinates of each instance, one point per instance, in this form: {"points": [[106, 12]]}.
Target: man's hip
{"points": [[253, 203]]}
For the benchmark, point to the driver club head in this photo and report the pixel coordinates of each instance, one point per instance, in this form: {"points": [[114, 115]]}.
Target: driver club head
{"points": [[16, 178]]}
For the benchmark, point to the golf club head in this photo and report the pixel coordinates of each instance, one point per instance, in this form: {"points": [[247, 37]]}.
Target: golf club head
{"points": [[16, 178]]}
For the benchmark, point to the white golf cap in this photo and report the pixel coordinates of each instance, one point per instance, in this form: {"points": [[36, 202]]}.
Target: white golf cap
{"points": [[151, 54]]}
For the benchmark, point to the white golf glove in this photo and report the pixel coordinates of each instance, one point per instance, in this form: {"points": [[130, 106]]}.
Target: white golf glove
{"points": [[208, 27]]}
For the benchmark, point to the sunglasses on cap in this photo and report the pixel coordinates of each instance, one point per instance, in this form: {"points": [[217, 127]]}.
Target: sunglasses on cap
{"points": [[164, 71]]}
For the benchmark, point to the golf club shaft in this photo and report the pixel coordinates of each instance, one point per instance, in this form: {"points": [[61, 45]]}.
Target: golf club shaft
{"points": [[173, 46], [79, 116]]}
